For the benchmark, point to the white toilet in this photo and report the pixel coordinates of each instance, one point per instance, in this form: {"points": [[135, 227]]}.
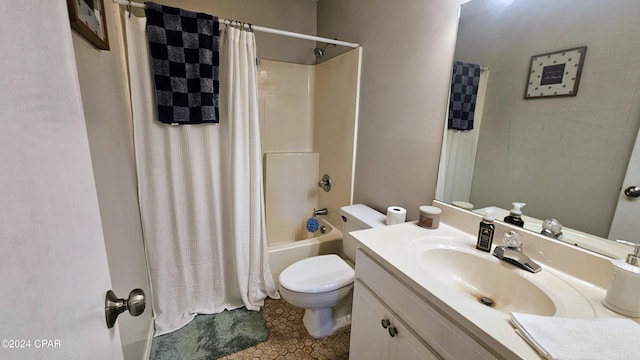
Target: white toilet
{"points": [[320, 284]]}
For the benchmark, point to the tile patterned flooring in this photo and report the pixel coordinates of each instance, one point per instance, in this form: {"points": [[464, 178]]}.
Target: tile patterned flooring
{"points": [[288, 339]]}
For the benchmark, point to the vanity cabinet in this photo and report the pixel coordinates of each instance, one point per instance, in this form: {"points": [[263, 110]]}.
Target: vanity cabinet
{"points": [[421, 330], [378, 334]]}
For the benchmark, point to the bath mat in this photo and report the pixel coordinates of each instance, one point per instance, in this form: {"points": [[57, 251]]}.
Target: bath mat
{"points": [[209, 337]]}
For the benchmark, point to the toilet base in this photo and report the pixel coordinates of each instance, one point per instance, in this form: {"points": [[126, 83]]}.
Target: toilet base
{"points": [[321, 323], [324, 322]]}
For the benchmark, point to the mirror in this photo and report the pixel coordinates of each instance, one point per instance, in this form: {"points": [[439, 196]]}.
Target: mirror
{"points": [[565, 157]]}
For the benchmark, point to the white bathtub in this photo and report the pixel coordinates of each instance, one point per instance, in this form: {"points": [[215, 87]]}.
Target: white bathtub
{"points": [[284, 254]]}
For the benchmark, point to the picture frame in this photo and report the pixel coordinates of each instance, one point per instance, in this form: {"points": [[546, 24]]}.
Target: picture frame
{"points": [[555, 74], [88, 19]]}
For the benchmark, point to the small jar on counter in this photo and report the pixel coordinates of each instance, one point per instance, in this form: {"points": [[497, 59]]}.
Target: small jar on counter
{"points": [[429, 217]]}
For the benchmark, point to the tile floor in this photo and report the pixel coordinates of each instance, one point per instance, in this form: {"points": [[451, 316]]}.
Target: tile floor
{"points": [[288, 339]]}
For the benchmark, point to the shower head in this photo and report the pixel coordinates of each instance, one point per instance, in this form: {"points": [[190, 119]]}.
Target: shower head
{"points": [[319, 52]]}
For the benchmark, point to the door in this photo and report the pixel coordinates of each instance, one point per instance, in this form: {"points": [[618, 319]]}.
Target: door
{"points": [[53, 266], [625, 224]]}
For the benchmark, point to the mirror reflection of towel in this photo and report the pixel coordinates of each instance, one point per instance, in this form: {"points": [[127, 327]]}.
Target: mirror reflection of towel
{"points": [[184, 48], [465, 79]]}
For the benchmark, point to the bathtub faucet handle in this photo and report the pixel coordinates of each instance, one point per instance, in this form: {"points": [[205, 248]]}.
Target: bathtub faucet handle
{"points": [[325, 183]]}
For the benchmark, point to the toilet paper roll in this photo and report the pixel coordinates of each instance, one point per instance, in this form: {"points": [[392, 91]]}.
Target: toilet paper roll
{"points": [[396, 215]]}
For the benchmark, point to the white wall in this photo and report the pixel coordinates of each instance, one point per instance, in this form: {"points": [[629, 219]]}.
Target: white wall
{"points": [[565, 157], [406, 64]]}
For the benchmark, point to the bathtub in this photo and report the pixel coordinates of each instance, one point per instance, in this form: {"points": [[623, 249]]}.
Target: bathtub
{"points": [[284, 254]]}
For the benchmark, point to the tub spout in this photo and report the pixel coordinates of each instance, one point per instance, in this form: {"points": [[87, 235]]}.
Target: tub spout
{"points": [[322, 211]]}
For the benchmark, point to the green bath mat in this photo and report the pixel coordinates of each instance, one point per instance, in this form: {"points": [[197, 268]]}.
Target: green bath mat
{"points": [[209, 337]]}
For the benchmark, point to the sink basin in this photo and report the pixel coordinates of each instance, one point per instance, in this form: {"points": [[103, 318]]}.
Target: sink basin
{"points": [[490, 283]]}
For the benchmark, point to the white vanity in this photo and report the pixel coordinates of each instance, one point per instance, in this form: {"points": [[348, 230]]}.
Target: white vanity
{"points": [[426, 294]]}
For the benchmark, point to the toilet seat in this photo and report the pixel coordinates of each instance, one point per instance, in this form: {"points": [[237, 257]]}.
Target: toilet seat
{"points": [[317, 274]]}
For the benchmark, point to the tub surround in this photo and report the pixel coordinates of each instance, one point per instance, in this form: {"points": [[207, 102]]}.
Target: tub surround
{"points": [[290, 194], [305, 110], [582, 279]]}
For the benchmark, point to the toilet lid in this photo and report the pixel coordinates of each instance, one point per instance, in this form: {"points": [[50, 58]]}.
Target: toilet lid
{"points": [[317, 274]]}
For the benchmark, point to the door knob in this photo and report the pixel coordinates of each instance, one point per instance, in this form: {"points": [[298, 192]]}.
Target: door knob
{"points": [[632, 191], [113, 306]]}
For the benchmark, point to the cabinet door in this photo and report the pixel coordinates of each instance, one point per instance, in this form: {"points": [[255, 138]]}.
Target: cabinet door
{"points": [[407, 346], [369, 340]]}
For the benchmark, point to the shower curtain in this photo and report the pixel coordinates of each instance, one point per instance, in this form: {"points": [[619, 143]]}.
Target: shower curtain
{"points": [[200, 191], [458, 158]]}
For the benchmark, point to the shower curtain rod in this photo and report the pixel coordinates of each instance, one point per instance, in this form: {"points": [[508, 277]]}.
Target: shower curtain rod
{"points": [[263, 29]]}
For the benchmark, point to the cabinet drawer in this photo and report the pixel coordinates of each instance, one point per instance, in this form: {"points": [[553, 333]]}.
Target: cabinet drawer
{"points": [[440, 333]]}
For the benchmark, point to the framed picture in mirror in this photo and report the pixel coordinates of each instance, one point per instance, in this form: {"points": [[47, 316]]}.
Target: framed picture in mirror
{"points": [[555, 74], [88, 19]]}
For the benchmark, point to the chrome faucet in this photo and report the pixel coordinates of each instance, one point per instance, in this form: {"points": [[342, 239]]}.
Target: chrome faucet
{"points": [[552, 228], [322, 211], [516, 258], [512, 252]]}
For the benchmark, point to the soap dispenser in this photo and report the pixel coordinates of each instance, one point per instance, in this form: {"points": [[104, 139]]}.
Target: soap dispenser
{"points": [[623, 295], [487, 228], [515, 216]]}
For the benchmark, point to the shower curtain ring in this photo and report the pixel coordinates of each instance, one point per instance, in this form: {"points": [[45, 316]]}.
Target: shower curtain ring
{"points": [[129, 8]]}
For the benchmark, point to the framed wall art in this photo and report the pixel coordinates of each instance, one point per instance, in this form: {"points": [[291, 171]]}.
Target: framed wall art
{"points": [[555, 74], [88, 19]]}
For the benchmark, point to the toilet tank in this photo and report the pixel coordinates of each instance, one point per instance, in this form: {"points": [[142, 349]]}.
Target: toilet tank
{"points": [[357, 217]]}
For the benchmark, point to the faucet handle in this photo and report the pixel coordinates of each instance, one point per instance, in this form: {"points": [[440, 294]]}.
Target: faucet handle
{"points": [[552, 228], [513, 240]]}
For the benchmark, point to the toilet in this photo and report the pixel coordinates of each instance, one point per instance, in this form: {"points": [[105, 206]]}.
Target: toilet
{"points": [[322, 284]]}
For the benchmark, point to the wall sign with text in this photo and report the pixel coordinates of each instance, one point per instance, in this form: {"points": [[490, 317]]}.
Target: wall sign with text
{"points": [[555, 74]]}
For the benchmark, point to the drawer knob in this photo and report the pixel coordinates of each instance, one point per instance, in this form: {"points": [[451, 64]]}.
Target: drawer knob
{"points": [[385, 323], [393, 331]]}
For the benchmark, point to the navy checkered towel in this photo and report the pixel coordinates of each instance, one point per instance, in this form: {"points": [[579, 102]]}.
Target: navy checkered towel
{"points": [[185, 59], [464, 91]]}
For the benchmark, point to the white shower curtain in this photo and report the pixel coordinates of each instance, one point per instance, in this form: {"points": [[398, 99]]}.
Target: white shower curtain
{"points": [[200, 190], [458, 158]]}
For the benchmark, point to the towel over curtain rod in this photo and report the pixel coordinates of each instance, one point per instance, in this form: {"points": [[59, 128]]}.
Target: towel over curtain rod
{"points": [[262, 28]]}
